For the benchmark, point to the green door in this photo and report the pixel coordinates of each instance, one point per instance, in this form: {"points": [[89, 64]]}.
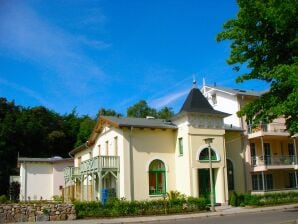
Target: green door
{"points": [[204, 183]]}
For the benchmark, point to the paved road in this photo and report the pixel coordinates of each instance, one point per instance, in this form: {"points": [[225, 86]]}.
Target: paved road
{"points": [[269, 217]]}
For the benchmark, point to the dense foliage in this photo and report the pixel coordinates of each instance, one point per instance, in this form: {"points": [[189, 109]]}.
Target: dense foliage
{"points": [[263, 200], [36, 132], [142, 110], [264, 46], [116, 207]]}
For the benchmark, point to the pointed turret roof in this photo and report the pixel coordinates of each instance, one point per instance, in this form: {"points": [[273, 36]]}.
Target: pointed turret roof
{"points": [[196, 102]]}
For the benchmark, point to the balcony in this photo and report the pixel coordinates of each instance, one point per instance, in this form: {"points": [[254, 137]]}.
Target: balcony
{"points": [[71, 172], [96, 164], [272, 129], [100, 163], [263, 163]]}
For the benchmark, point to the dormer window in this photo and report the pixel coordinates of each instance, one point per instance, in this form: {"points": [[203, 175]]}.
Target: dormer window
{"points": [[213, 98]]}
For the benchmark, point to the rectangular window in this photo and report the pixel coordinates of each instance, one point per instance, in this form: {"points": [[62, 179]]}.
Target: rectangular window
{"points": [[214, 100], [180, 142], [257, 182], [116, 146], [253, 154], [267, 153], [255, 185], [269, 182], [107, 148], [292, 180]]}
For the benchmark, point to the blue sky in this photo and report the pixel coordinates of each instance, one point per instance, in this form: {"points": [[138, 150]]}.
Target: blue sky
{"points": [[112, 53]]}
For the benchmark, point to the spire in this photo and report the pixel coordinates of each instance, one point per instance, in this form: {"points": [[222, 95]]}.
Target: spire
{"points": [[196, 102], [194, 82]]}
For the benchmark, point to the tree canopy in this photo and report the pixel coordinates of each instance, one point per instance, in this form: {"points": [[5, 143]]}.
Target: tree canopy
{"points": [[264, 46], [142, 110]]}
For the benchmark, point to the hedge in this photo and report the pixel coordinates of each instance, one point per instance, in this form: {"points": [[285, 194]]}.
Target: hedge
{"points": [[116, 207], [263, 200]]}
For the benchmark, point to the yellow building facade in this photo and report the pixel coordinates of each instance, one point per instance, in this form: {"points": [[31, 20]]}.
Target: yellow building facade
{"points": [[144, 158]]}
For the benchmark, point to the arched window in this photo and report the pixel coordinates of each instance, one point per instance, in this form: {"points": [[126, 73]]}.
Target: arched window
{"points": [[157, 177], [230, 175], [204, 155]]}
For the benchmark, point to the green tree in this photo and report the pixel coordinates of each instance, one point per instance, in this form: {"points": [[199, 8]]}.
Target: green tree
{"points": [[86, 127], [141, 110], [165, 113], [264, 46], [107, 112]]}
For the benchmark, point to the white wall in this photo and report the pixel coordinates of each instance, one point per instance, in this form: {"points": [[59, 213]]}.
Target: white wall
{"points": [[38, 177], [227, 103], [58, 175]]}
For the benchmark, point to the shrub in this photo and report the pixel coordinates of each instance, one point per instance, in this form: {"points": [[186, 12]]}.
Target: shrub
{"points": [[116, 207], [233, 199], [264, 200], [3, 199]]}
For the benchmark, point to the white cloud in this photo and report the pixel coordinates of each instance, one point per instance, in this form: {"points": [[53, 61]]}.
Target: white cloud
{"points": [[168, 99]]}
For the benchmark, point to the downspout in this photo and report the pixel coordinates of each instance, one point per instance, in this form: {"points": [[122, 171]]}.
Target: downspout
{"points": [[25, 166], [245, 171], [131, 165], [225, 171]]}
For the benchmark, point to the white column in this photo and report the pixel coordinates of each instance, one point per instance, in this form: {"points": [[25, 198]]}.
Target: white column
{"points": [[195, 182]]}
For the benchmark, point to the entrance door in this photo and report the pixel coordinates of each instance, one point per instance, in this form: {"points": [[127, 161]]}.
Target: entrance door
{"points": [[204, 183]]}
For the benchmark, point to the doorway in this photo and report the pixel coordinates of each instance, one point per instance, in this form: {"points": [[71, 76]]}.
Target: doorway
{"points": [[204, 183]]}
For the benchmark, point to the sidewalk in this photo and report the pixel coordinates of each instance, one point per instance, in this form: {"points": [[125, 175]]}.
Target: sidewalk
{"points": [[220, 211]]}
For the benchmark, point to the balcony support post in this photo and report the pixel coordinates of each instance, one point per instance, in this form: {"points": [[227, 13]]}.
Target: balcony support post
{"points": [[99, 184], [296, 179], [295, 151], [263, 153], [82, 187], [263, 181]]}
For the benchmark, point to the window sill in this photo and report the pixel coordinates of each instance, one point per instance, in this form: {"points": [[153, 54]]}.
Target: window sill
{"points": [[156, 195]]}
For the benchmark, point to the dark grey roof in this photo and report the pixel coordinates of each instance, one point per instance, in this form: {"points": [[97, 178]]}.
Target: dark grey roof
{"points": [[236, 91], [196, 102], [49, 160], [140, 122]]}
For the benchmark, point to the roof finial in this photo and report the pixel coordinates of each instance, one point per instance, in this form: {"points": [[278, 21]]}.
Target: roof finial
{"points": [[194, 82]]}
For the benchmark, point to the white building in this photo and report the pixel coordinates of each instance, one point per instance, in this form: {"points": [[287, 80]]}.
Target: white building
{"points": [[42, 178], [268, 150]]}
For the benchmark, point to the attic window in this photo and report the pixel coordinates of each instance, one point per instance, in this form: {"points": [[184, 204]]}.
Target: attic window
{"points": [[213, 98]]}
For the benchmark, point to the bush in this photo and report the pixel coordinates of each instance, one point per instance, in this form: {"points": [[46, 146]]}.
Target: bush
{"points": [[263, 200], [3, 199], [116, 207], [233, 199]]}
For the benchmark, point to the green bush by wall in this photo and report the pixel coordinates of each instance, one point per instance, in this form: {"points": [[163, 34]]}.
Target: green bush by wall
{"points": [[116, 207], [263, 200]]}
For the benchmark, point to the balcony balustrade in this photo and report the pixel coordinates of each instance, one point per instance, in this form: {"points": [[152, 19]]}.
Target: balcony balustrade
{"points": [[273, 160], [95, 164]]}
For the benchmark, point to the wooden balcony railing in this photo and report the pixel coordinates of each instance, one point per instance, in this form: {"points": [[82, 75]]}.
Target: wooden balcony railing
{"points": [[273, 160], [95, 164]]}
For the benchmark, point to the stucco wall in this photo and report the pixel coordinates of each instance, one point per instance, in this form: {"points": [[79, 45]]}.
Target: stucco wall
{"points": [[234, 142], [58, 175], [148, 145], [37, 180]]}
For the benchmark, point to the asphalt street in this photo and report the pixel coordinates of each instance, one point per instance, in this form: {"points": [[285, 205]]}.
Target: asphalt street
{"points": [[272, 217]]}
